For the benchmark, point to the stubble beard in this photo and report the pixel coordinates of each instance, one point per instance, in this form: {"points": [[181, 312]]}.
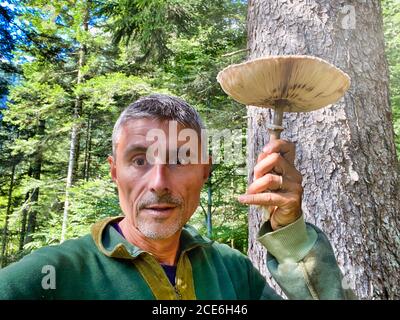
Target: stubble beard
{"points": [[159, 229]]}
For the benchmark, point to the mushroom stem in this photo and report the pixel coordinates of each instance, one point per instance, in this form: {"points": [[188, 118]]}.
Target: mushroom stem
{"points": [[276, 128]]}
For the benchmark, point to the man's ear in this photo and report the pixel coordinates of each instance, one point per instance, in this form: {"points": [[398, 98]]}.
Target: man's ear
{"points": [[113, 169]]}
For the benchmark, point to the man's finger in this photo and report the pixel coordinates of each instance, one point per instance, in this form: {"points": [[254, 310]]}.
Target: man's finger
{"points": [[266, 182], [286, 148], [265, 165], [273, 183], [265, 199], [279, 164]]}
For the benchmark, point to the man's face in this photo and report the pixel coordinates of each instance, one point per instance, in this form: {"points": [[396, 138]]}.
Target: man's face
{"points": [[157, 197]]}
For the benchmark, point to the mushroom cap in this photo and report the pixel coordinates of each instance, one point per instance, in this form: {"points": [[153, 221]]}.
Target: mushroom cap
{"points": [[299, 83]]}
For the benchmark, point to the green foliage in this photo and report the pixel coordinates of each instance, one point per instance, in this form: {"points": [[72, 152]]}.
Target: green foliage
{"points": [[229, 217], [92, 201], [131, 48], [391, 19], [149, 22]]}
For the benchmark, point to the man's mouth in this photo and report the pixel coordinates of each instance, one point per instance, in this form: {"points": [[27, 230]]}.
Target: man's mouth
{"points": [[160, 210], [160, 207]]}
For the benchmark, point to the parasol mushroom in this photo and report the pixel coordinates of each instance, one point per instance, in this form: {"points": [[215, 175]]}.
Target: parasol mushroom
{"points": [[291, 83]]}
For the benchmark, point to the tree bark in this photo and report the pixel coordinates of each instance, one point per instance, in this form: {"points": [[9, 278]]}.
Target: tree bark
{"points": [[76, 128], [8, 212], [345, 152]]}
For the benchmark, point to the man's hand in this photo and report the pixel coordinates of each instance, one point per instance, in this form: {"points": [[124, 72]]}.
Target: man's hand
{"points": [[277, 184]]}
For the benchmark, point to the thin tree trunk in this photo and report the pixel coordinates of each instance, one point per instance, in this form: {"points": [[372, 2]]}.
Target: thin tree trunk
{"points": [[88, 149], [24, 216], [346, 152], [32, 214], [209, 207], [75, 170], [8, 212], [75, 132], [36, 172]]}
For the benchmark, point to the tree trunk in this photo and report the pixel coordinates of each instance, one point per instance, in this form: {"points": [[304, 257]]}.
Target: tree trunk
{"points": [[36, 172], [8, 212], [345, 152], [76, 128], [77, 151], [209, 207], [88, 149], [24, 216]]}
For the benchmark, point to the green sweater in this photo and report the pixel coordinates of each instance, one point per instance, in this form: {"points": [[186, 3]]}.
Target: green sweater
{"points": [[104, 265]]}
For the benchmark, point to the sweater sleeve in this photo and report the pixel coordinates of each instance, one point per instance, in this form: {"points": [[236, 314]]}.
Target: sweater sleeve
{"points": [[301, 260], [31, 278]]}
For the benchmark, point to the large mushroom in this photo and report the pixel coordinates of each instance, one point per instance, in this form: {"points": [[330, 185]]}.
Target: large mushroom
{"points": [[291, 83]]}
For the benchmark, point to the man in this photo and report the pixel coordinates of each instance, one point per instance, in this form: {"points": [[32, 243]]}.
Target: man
{"points": [[151, 253]]}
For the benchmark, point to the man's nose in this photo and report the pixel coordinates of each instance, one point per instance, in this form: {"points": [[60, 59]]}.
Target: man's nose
{"points": [[159, 179]]}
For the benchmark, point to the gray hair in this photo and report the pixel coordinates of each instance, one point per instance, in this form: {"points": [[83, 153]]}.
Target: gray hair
{"points": [[160, 107]]}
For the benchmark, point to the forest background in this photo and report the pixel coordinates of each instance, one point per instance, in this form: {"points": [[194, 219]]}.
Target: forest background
{"points": [[67, 69]]}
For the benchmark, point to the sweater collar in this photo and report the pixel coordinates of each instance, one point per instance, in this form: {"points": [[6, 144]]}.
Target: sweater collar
{"points": [[114, 245]]}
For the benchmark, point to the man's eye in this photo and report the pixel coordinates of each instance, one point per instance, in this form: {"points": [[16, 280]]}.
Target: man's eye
{"points": [[139, 161]]}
